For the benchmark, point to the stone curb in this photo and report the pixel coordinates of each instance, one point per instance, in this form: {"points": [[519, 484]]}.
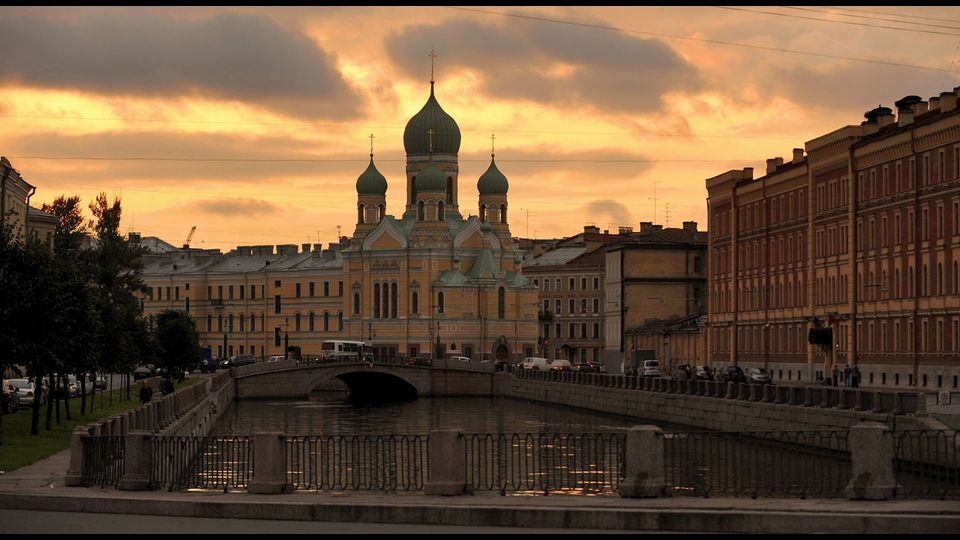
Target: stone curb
{"points": [[429, 512]]}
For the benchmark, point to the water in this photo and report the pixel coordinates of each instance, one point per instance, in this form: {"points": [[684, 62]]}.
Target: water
{"points": [[332, 414]]}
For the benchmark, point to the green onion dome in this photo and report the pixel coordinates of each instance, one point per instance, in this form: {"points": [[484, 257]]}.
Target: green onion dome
{"points": [[446, 133], [371, 182], [430, 178], [492, 182]]}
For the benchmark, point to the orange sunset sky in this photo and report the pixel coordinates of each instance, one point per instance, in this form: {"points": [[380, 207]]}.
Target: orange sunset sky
{"points": [[253, 123]]}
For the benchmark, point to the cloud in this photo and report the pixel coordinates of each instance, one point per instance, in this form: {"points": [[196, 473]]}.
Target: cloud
{"points": [[234, 56], [232, 208], [550, 63], [616, 212], [854, 87]]}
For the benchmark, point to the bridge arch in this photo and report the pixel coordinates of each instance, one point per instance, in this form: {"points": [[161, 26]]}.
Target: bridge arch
{"points": [[370, 384]]}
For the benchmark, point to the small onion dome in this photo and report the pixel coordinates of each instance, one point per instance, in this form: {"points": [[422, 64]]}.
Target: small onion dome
{"points": [[430, 178], [492, 182], [446, 133], [371, 182]]}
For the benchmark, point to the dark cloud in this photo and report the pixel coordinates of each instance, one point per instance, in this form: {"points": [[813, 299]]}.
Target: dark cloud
{"points": [[231, 208], [854, 87], [235, 56], [608, 208], [543, 62]]}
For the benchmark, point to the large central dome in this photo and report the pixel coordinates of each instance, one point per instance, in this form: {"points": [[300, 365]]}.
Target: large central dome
{"points": [[446, 133]]}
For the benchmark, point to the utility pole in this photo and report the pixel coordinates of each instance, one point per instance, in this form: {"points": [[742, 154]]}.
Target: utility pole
{"points": [[654, 199], [667, 217]]}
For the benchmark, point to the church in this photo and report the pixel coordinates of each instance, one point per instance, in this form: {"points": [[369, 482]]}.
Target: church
{"points": [[431, 282]]}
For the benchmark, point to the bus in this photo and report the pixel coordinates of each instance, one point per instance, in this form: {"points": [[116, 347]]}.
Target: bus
{"points": [[341, 350]]}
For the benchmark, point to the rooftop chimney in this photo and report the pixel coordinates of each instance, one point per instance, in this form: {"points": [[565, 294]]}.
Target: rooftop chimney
{"points": [[948, 101], [334, 246], [773, 163], [797, 155], [905, 111], [919, 108], [625, 230], [934, 103], [646, 227], [690, 226], [305, 248], [591, 229], [133, 238]]}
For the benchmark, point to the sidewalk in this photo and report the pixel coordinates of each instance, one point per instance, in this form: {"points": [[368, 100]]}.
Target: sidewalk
{"points": [[40, 487]]}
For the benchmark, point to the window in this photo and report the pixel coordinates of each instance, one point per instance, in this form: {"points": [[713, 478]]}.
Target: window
{"points": [[596, 283], [339, 288], [296, 322], [253, 292], [596, 330], [415, 303], [297, 294], [536, 283], [559, 309], [276, 337], [440, 302], [573, 330], [276, 304], [276, 283], [596, 305], [583, 284], [340, 321], [326, 321], [572, 306], [376, 300], [219, 323], [209, 293], [209, 323], [312, 288], [253, 322], [356, 303], [326, 288], [546, 330], [220, 292], [558, 284], [393, 300], [242, 290], [501, 303], [583, 305], [583, 330], [312, 322], [557, 327]]}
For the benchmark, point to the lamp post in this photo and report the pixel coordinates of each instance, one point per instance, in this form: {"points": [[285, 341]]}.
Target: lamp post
{"points": [[286, 337]]}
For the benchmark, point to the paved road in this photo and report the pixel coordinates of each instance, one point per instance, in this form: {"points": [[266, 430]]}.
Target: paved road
{"points": [[30, 521]]}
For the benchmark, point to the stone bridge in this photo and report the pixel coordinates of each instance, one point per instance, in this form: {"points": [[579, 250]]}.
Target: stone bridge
{"points": [[288, 379]]}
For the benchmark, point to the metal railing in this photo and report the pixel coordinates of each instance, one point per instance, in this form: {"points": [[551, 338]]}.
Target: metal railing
{"points": [[586, 463], [358, 462], [778, 463], [808, 396], [927, 463], [102, 461], [201, 462]]}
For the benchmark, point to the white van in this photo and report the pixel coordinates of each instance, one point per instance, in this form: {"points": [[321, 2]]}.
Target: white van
{"points": [[345, 350], [650, 368], [534, 362]]}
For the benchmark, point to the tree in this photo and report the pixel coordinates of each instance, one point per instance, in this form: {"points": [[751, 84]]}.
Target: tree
{"points": [[178, 342]]}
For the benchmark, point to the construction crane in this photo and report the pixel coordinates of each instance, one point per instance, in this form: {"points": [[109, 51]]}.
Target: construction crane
{"points": [[186, 243]]}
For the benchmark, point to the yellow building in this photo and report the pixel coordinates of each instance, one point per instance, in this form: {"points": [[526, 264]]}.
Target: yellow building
{"points": [[15, 209], [428, 283]]}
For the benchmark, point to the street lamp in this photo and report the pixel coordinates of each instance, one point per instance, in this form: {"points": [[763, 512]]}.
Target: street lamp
{"points": [[286, 337]]}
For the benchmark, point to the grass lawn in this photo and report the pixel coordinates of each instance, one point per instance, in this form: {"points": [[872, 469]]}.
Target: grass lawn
{"points": [[19, 448]]}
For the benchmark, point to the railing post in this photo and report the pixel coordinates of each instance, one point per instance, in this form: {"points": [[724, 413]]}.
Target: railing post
{"points": [[448, 467], [741, 391], [877, 407], [841, 399], [871, 449], [136, 461], [644, 474], [807, 396], [731, 392], [921, 404], [269, 464], [75, 471]]}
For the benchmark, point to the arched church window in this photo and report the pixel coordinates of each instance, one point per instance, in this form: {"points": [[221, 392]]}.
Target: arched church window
{"points": [[326, 321], [393, 300], [376, 301], [440, 211], [501, 303], [379, 213], [483, 212], [503, 213], [360, 213], [420, 215], [415, 303], [356, 303], [449, 190], [386, 300], [440, 302]]}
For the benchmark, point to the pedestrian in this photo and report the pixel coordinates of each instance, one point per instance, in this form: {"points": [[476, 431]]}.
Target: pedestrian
{"points": [[167, 386], [145, 393], [836, 375], [856, 376], [846, 376]]}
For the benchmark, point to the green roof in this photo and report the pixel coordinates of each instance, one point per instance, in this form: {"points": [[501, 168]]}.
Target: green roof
{"points": [[483, 264], [371, 182], [430, 178], [493, 182], [446, 133]]}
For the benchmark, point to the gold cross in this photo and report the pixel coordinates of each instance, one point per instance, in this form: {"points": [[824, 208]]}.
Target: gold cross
{"points": [[492, 137], [432, 55], [430, 136], [371, 145]]}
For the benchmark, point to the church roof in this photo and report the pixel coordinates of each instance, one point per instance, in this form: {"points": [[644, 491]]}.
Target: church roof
{"points": [[371, 182], [431, 178], [446, 133], [484, 265], [493, 182]]}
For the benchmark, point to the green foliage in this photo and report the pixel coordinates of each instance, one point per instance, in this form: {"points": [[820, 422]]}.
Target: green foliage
{"points": [[178, 343]]}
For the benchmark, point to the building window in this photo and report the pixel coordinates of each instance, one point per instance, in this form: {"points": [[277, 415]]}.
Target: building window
{"points": [[559, 287], [573, 284], [276, 283], [276, 304], [326, 321], [209, 323], [356, 303], [559, 307], [311, 287], [440, 302], [220, 292], [583, 284], [596, 330], [253, 292], [296, 322], [339, 288], [253, 322], [501, 303], [311, 322], [583, 330], [596, 305], [393, 300], [340, 321], [415, 302], [572, 306], [596, 283], [376, 300], [583, 305], [276, 337], [297, 294], [573, 330], [242, 290], [219, 323], [326, 288], [209, 293]]}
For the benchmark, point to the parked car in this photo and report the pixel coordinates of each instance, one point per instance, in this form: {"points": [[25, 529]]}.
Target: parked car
{"points": [[100, 382], [703, 373], [759, 376], [682, 372], [561, 365], [732, 374], [424, 362], [535, 362], [650, 368], [142, 372], [10, 400], [275, 358], [26, 390], [460, 358]]}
